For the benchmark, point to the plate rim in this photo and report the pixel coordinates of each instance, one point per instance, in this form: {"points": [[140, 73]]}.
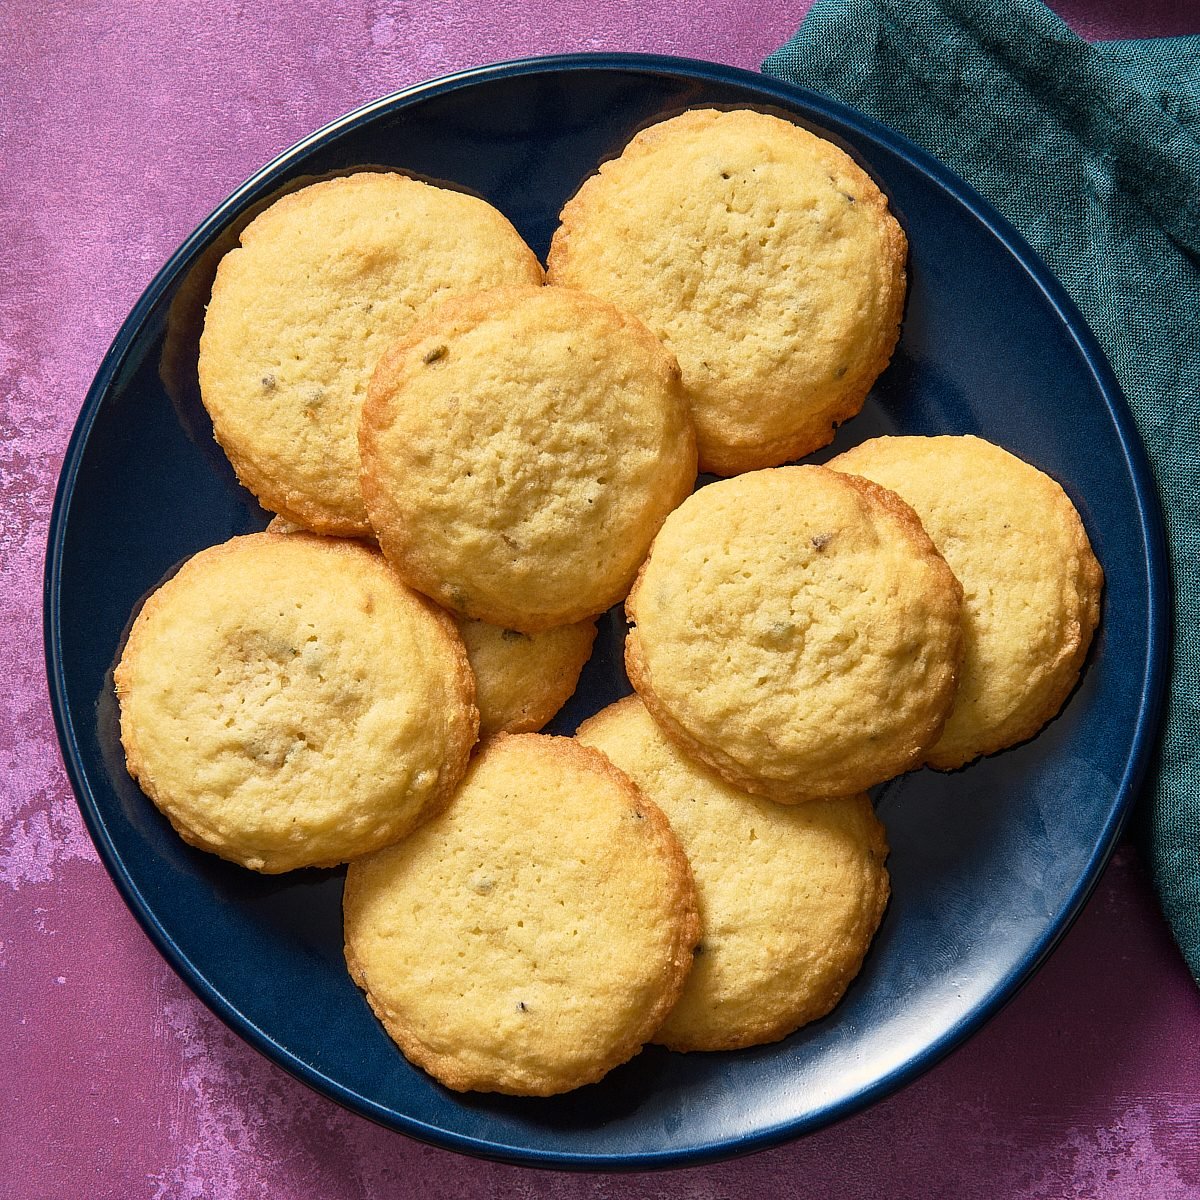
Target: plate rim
{"points": [[1136, 463]]}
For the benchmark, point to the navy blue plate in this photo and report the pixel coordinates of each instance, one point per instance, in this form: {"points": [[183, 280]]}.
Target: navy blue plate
{"points": [[989, 865]]}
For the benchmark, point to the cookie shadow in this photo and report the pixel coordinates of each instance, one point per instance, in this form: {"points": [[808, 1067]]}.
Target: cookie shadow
{"points": [[614, 1098]]}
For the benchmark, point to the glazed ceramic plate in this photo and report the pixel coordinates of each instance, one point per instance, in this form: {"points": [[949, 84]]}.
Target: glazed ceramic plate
{"points": [[989, 865]]}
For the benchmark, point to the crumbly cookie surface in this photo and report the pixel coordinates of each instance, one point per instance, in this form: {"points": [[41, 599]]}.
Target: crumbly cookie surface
{"points": [[523, 679], [520, 450], [534, 934], [323, 282], [767, 261], [1031, 584], [286, 701], [789, 896], [796, 630]]}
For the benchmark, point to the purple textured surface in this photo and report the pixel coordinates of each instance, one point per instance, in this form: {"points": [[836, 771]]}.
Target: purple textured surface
{"points": [[124, 123]]}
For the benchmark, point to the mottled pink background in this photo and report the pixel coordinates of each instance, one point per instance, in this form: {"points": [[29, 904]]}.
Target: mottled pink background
{"points": [[122, 123]]}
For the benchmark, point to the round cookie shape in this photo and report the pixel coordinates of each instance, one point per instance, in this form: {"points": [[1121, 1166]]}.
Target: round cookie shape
{"points": [[323, 282], [523, 679], [1031, 584], [287, 702], [533, 935], [789, 896], [520, 450], [767, 261], [796, 630]]}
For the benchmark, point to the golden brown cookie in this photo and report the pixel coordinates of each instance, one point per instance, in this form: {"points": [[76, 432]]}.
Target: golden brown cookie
{"points": [[767, 261], [323, 282], [523, 679], [533, 935], [789, 896], [520, 450], [796, 630], [1031, 584], [287, 702]]}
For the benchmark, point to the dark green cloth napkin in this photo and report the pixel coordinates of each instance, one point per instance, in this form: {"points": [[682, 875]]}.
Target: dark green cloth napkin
{"points": [[1091, 151]]}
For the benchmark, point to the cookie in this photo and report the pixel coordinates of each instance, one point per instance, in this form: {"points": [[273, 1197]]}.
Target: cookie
{"points": [[1031, 583], [523, 679], [278, 524], [789, 896], [767, 261], [520, 450], [533, 935], [287, 702], [323, 282], [796, 630]]}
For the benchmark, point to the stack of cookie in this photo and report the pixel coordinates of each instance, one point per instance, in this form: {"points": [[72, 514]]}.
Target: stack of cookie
{"points": [[468, 466]]}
